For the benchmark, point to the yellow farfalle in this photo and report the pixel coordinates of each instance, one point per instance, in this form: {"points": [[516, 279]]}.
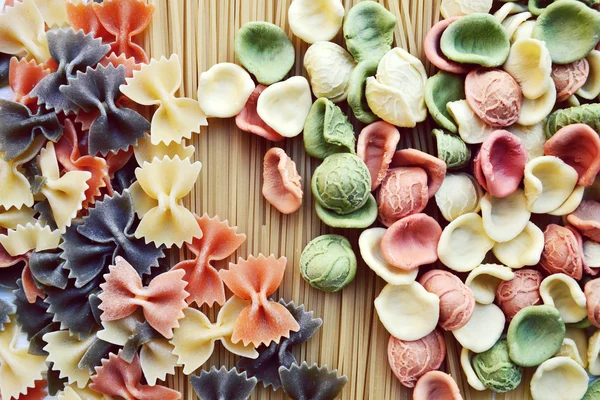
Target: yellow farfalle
{"points": [[22, 31], [146, 151], [13, 217], [156, 84], [66, 351], [54, 12], [157, 197], [65, 193], [14, 187], [18, 369], [29, 237], [72, 392], [195, 338]]}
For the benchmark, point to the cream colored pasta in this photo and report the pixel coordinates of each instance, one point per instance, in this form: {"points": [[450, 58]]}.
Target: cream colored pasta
{"points": [[549, 182], [370, 250], [525, 249], [508, 9], [504, 218], [532, 137], [284, 106], [459, 194], [512, 23], [524, 30], [464, 243], [534, 111], [224, 89], [484, 281], [557, 376], [591, 253], [563, 292], [315, 20], [29, 237], [579, 337], [329, 67], [471, 129], [530, 64], [591, 89], [14, 217], [397, 93], [146, 151], [483, 329], [466, 357], [66, 351], [571, 203], [569, 349], [453, 8], [72, 392], [408, 312], [593, 354], [54, 12]]}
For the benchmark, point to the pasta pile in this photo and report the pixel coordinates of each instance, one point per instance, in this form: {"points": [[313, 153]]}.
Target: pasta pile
{"points": [[91, 202]]}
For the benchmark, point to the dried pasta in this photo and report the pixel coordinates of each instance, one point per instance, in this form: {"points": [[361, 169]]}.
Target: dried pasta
{"points": [[146, 151], [223, 384], [29, 237], [22, 31], [302, 382], [82, 16], [23, 76], [47, 268]]}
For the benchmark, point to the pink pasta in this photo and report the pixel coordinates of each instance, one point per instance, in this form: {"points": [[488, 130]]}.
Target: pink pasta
{"points": [[82, 16], [435, 168], [282, 185], [376, 146], [248, 119], [23, 76], [129, 63]]}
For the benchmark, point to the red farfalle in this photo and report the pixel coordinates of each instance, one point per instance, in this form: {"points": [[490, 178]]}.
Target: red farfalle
{"points": [[129, 63], [116, 162], [263, 321], [82, 16], [32, 292], [70, 157], [162, 301], [23, 76], [38, 392], [125, 19], [218, 242], [119, 379]]}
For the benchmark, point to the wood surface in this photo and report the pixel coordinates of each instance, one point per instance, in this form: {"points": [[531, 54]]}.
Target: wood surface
{"points": [[352, 339]]}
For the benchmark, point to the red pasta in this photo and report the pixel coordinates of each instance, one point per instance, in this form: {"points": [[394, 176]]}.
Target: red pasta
{"points": [[82, 16], [69, 156], [129, 63], [115, 162], [248, 119], [125, 19], [6, 260], [32, 292], [435, 168], [162, 301], [38, 392], [263, 321], [23, 76], [218, 242], [119, 379]]}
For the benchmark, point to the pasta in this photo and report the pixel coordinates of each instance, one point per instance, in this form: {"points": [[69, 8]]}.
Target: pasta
{"points": [[23, 76], [82, 16], [66, 193], [223, 385], [194, 340], [38, 392], [7, 308], [124, 19], [14, 186], [129, 63], [30, 287], [266, 366], [301, 382], [162, 301], [218, 242], [72, 392], [19, 128], [282, 185], [435, 168], [248, 119], [73, 52], [156, 84], [115, 128], [13, 217], [22, 31], [145, 151], [263, 321], [46, 268], [29, 237], [18, 369], [118, 378], [157, 196], [91, 245]]}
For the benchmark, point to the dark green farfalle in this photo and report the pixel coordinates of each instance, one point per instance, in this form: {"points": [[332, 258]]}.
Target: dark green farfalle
{"points": [[223, 385], [47, 268], [7, 308], [451, 149], [327, 130], [301, 382], [55, 382], [369, 31], [588, 114], [116, 128], [19, 127], [356, 91], [4, 67]]}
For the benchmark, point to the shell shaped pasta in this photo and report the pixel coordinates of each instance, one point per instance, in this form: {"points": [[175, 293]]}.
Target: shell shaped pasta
{"points": [[31, 236], [408, 312], [593, 354], [484, 281], [459, 194], [532, 137], [282, 185], [563, 292], [327, 130], [156, 84], [194, 339], [536, 110], [572, 379], [435, 168], [436, 383], [562, 251], [549, 182], [22, 31], [313, 21], [591, 255], [158, 194], [569, 78], [524, 249], [248, 119], [389, 104], [284, 106], [508, 9], [224, 89], [530, 64], [218, 242], [483, 329], [466, 362], [263, 321], [19, 370], [504, 218], [471, 128], [586, 218], [329, 67], [376, 146], [431, 47], [454, 8], [464, 244], [403, 192], [591, 88]]}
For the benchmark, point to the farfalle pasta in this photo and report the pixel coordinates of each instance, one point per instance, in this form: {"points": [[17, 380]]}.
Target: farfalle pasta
{"points": [[303, 382], [146, 151], [81, 16], [32, 236], [115, 128], [162, 301], [263, 321], [14, 186], [7, 308], [129, 63], [218, 242], [194, 339], [22, 31], [47, 268], [158, 194], [125, 19], [223, 384], [33, 320], [156, 84], [23, 76]]}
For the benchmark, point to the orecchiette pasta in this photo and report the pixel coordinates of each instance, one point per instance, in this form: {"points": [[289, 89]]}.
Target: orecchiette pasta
{"points": [[329, 67], [470, 128], [504, 218], [525, 249], [548, 183], [459, 194], [313, 21], [224, 89]]}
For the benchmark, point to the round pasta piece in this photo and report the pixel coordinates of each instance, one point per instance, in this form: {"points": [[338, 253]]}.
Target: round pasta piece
{"points": [[408, 312], [435, 168], [504, 218], [532, 137], [586, 218], [327, 130], [431, 46], [224, 89], [520, 292], [313, 21], [563, 292], [248, 119], [282, 185], [530, 64], [483, 330], [562, 251], [329, 67], [376, 146], [369, 31], [494, 95], [549, 182], [557, 376], [524, 249], [569, 78], [495, 369], [464, 244], [591, 88], [471, 129], [453, 8], [451, 149], [484, 281], [459, 194], [436, 383], [403, 192], [441, 89], [534, 111]]}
